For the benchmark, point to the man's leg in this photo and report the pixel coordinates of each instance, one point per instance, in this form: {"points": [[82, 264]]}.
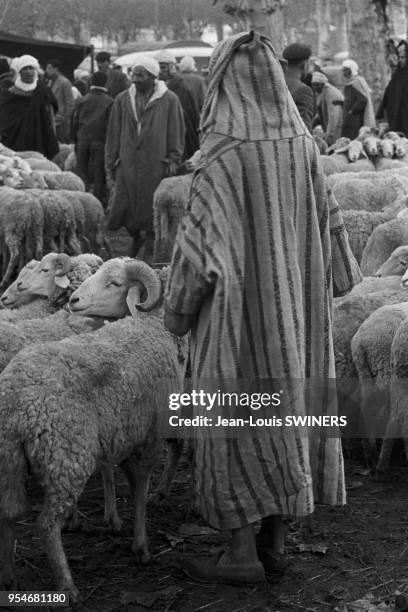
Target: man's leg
{"points": [[98, 171], [271, 535], [82, 152]]}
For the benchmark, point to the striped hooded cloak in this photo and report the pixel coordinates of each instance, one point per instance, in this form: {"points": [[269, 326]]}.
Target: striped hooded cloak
{"points": [[256, 258]]}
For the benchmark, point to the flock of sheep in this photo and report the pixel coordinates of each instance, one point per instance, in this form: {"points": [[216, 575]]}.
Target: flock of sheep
{"points": [[86, 365], [44, 209]]}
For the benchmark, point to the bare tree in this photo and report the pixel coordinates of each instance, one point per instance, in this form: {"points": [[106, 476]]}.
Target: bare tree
{"points": [[368, 32]]}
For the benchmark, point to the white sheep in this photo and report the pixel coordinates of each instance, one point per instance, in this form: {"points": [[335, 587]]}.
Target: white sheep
{"points": [[332, 164], [21, 230], [62, 180], [365, 194], [112, 384], [351, 311], [40, 282], [169, 205], [371, 351], [397, 423], [94, 222], [382, 242], [360, 224], [396, 264], [59, 222], [42, 164]]}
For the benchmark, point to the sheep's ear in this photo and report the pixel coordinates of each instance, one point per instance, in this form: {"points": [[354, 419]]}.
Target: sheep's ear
{"points": [[62, 281], [133, 298]]}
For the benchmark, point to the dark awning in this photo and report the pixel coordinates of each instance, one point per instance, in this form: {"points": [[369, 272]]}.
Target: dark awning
{"points": [[68, 54]]}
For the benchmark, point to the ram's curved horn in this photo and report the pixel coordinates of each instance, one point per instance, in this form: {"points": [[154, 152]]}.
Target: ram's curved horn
{"points": [[138, 270]]}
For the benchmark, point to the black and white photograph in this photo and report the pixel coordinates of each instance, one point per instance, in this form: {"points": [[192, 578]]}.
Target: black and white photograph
{"points": [[204, 305]]}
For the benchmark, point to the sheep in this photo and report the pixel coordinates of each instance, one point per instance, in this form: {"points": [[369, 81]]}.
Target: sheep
{"points": [[364, 194], [169, 205], [42, 280], [396, 264], [18, 334], [112, 384], [382, 164], [401, 148], [30, 155], [94, 222], [21, 229], [396, 426], [332, 164], [42, 165], [351, 310], [64, 151], [361, 223], [72, 197], [62, 180], [59, 222], [70, 164], [371, 144], [387, 148], [371, 351], [382, 242]]}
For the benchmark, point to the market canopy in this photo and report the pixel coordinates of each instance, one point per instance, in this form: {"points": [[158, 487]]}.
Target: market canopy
{"points": [[68, 54]]}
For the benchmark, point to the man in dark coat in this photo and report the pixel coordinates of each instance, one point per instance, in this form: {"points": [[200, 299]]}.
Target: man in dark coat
{"points": [[395, 101], [297, 55], [144, 144], [90, 123], [117, 81], [175, 82], [25, 114]]}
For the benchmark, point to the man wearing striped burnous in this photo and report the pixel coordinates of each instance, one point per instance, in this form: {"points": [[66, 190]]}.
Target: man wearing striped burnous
{"points": [[258, 257]]}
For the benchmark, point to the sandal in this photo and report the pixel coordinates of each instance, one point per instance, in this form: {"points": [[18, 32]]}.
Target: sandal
{"points": [[220, 569]]}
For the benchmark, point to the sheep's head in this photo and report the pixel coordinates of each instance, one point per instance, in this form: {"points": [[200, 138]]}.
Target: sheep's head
{"points": [[12, 178], [355, 150], [371, 145], [116, 289], [396, 264], [387, 148], [21, 165], [17, 294], [51, 273], [401, 147]]}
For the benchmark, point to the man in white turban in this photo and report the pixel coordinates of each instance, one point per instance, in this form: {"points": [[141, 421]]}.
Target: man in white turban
{"points": [[144, 144], [26, 111], [329, 106], [358, 110]]}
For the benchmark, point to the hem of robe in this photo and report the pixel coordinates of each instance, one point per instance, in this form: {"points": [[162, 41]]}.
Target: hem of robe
{"points": [[297, 505]]}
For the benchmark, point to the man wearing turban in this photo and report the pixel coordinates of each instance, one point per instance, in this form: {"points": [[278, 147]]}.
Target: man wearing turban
{"points": [[145, 142], [358, 110], [329, 105], [25, 111]]}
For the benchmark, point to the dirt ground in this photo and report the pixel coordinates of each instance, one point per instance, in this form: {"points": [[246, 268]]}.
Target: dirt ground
{"points": [[353, 550]]}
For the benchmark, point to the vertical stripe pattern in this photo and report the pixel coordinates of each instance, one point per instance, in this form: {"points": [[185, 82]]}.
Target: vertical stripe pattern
{"points": [[255, 257]]}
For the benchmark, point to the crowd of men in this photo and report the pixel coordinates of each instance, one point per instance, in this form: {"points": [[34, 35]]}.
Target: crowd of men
{"points": [[258, 258], [131, 131]]}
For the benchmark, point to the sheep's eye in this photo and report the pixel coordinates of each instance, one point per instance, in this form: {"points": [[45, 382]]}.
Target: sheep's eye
{"points": [[45, 270], [116, 283], [403, 263]]}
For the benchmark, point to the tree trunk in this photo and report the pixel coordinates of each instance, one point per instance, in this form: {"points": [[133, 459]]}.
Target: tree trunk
{"points": [[323, 17], [264, 16], [367, 35], [397, 19]]}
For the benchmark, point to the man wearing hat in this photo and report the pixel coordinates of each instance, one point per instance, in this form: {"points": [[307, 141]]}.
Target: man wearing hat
{"points": [[297, 55], [329, 105], [90, 123], [25, 111], [145, 142], [189, 101], [117, 81]]}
